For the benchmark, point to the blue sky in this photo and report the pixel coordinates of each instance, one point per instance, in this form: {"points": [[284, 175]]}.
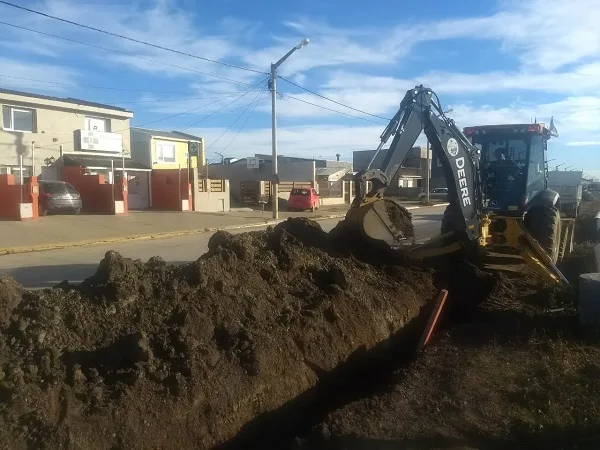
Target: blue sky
{"points": [[490, 61]]}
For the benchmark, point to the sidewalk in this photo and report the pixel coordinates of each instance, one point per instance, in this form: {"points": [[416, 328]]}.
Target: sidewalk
{"points": [[53, 232], [67, 230]]}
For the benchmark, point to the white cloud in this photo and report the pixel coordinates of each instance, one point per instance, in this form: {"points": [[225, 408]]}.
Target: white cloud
{"points": [[19, 73], [553, 47], [583, 144], [544, 34], [581, 79], [306, 141]]}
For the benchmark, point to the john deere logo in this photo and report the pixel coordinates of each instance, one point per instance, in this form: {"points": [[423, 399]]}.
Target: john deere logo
{"points": [[452, 147]]}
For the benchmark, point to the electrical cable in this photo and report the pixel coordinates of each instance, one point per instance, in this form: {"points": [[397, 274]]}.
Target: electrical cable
{"points": [[219, 110], [245, 122], [93, 87], [330, 109], [234, 122], [60, 19], [174, 51], [329, 99], [123, 53], [158, 120]]}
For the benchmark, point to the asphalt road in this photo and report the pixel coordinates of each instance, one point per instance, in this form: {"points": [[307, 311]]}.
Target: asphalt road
{"points": [[46, 269]]}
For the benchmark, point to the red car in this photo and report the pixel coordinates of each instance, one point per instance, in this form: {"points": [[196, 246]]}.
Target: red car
{"points": [[302, 199]]}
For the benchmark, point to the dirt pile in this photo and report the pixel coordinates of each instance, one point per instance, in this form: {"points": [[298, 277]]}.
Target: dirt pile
{"points": [[514, 373], [581, 260], [585, 228], [149, 355], [400, 217]]}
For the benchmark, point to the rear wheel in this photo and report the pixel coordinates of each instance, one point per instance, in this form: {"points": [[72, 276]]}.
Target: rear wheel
{"points": [[543, 223]]}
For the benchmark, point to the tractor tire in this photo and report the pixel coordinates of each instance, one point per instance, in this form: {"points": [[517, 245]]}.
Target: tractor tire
{"points": [[451, 220], [543, 223]]}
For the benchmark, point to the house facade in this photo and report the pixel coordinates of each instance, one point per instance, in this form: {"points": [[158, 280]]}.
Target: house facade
{"points": [[36, 130], [166, 149]]}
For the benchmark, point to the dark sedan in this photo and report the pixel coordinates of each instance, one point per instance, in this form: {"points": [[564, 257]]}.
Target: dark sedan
{"points": [[57, 196]]}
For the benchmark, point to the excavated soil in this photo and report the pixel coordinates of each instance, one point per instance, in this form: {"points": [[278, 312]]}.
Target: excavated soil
{"points": [[150, 355], [294, 337], [400, 217], [515, 373], [585, 228]]}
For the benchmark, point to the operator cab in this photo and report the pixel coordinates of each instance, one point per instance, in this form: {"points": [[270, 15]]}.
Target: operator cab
{"points": [[512, 164]]}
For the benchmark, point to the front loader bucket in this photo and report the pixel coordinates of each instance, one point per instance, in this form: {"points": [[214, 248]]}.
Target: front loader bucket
{"points": [[382, 220]]}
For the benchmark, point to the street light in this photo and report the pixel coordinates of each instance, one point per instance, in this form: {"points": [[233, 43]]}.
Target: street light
{"points": [[428, 164], [273, 88]]}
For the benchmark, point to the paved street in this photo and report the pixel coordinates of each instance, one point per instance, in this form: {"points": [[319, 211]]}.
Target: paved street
{"points": [[48, 268]]}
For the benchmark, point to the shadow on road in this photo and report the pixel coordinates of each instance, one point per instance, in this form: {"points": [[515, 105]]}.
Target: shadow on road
{"points": [[39, 277]]}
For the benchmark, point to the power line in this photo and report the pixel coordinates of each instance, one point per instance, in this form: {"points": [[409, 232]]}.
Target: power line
{"points": [[159, 120], [123, 53], [188, 99], [255, 101], [244, 124], [129, 39], [58, 83], [219, 110], [169, 50], [330, 100], [330, 109]]}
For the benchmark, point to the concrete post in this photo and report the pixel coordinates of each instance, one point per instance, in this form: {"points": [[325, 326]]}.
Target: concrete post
{"points": [[589, 298]]}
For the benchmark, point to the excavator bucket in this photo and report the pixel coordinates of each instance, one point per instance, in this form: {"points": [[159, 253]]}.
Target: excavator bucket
{"points": [[381, 219]]}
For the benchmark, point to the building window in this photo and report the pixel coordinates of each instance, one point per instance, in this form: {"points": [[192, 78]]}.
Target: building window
{"points": [[97, 124], [165, 152], [17, 119]]}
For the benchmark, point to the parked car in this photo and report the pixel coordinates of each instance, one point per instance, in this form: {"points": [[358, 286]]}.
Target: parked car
{"points": [[56, 196], [435, 194], [302, 199]]}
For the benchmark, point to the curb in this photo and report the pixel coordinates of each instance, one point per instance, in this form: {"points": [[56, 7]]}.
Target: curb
{"points": [[143, 237], [166, 234]]}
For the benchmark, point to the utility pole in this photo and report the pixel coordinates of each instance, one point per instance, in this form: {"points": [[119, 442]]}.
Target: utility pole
{"points": [[273, 88]]}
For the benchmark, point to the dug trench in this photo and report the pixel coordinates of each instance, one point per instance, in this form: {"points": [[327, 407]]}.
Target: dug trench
{"points": [[256, 332], [513, 371], [260, 342]]}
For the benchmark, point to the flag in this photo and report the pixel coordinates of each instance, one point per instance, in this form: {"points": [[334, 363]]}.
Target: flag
{"points": [[553, 130]]}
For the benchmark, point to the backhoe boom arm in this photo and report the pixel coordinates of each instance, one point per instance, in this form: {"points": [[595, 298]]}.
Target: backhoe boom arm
{"points": [[459, 158]]}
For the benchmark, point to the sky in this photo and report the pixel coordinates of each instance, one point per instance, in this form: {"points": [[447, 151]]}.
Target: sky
{"points": [[489, 61]]}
